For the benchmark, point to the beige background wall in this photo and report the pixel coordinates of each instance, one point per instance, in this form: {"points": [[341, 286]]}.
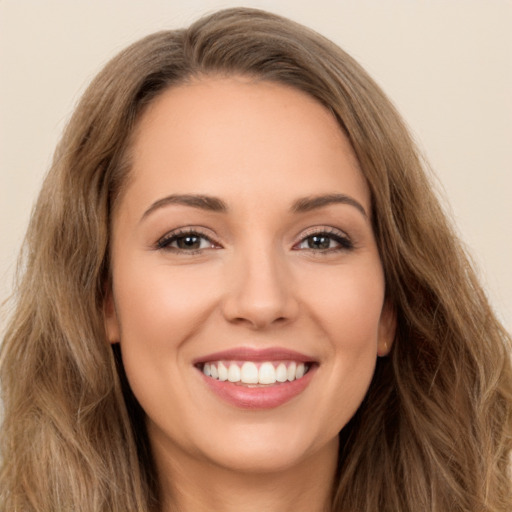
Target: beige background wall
{"points": [[447, 64]]}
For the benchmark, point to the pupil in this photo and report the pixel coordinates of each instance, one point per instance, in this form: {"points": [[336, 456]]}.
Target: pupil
{"points": [[319, 242], [188, 242]]}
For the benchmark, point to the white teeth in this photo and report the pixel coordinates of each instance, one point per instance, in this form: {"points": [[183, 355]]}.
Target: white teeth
{"points": [[249, 373], [267, 374], [290, 375], [252, 373], [234, 373], [281, 373], [223, 372]]}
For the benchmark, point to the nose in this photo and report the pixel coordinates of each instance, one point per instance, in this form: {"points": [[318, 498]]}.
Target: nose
{"points": [[260, 291]]}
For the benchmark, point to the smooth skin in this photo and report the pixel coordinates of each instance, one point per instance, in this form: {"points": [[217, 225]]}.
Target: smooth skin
{"points": [[249, 268]]}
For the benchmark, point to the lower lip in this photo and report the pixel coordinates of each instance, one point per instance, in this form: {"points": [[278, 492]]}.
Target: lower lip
{"points": [[265, 397]]}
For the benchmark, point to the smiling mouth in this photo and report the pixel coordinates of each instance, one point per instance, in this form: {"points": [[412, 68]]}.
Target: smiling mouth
{"points": [[255, 373], [257, 378]]}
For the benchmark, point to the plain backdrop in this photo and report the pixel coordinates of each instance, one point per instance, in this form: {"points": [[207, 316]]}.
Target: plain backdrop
{"points": [[446, 64]]}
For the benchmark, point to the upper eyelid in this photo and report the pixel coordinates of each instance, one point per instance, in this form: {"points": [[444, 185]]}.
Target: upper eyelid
{"points": [[199, 230], [328, 230]]}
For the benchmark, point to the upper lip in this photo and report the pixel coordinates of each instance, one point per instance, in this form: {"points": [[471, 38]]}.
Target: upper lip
{"points": [[254, 354]]}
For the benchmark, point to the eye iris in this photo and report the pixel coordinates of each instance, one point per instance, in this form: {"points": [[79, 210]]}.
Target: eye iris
{"points": [[188, 242], [319, 242]]}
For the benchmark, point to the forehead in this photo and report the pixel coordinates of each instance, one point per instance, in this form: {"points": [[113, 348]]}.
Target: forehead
{"points": [[242, 138]]}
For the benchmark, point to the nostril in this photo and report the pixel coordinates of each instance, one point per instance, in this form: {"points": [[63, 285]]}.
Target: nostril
{"points": [[259, 322]]}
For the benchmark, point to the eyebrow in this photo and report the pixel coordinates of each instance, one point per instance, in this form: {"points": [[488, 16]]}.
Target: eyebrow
{"points": [[307, 204], [202, 202], [214, 204]]}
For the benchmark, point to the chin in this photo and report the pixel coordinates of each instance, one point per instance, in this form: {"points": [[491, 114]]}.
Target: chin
{"points": [[265, 447]]}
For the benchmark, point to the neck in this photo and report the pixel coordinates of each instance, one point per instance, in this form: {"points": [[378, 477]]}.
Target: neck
{"points": [[192, 485]]}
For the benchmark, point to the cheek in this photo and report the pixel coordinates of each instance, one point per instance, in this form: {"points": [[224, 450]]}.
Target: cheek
{"points": [[347, 304], [159, 309], [162, 304]]}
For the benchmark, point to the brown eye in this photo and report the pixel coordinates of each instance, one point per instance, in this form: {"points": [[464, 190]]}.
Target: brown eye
{"points": [[188, 242], [319, 242], [185, 242]]}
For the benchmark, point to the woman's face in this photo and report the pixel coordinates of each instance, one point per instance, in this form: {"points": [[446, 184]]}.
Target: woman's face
{"points": [[248, 293]]}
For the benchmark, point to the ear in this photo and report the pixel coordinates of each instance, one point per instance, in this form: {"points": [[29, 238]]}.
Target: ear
{"points": [[387, 329], [110, 317]]}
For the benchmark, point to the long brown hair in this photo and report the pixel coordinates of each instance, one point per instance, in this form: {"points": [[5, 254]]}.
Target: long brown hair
{"points": [[435, 429]]}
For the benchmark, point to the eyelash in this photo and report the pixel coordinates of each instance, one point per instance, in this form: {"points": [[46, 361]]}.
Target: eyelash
{"points": [[343, 241]]}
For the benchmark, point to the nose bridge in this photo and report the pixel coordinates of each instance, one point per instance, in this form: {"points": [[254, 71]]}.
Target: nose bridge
{"points": [[260, 290]]}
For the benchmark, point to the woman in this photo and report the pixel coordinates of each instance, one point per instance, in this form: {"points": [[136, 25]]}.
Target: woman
{"points": [[240, 292]]}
